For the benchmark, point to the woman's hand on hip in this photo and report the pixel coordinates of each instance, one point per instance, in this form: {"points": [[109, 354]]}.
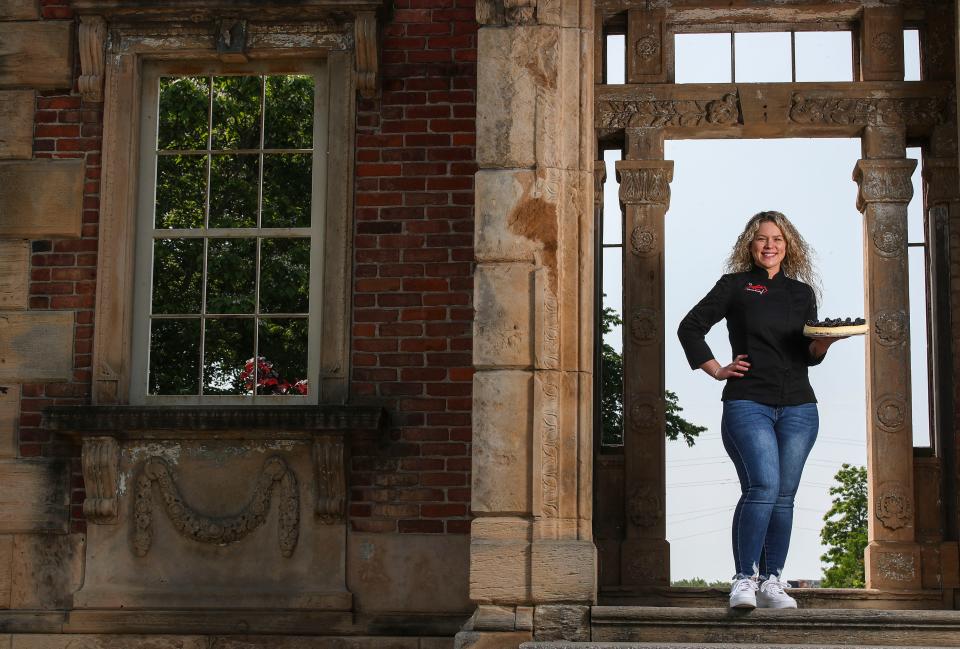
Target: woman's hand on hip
{"points": [[735, 369]]}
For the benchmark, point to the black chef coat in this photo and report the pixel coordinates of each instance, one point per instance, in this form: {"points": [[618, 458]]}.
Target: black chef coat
{"points": [[765, 318]]}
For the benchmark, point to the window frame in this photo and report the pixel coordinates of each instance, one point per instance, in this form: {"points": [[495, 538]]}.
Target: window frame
{"points": [[146, 233], [131, 50]]}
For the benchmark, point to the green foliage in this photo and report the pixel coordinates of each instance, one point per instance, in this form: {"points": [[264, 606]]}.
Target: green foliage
{"points": [[699, 582], [611, 395], [845, 529]]}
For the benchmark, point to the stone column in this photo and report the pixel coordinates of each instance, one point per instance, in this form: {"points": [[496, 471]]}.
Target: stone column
{"points": [[531, 540], [883, 176], [645, 194], [942, 192]]}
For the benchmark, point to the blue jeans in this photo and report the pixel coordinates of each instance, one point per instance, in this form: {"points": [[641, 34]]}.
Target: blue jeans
{"points": [[769, 446]]}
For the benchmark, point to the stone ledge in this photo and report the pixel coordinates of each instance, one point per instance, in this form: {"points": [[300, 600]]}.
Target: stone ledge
{"points": [[694, 645], [206, 422]]}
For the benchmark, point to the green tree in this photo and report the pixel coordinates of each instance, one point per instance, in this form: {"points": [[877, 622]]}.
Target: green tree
{"points": [[611, 394], [845, 529], [700, 582]]}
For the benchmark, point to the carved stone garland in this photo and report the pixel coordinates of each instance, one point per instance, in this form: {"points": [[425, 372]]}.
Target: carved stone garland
{"points": [[655, 113], [219, 530], [880, 111]]}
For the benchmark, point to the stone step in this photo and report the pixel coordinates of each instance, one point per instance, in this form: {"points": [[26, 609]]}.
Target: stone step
{"points": [[779, 628], [701, 645]]}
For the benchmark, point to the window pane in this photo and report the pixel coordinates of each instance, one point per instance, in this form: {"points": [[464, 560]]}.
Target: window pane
{"points": [[236, 112], [286, 190], [284, 275], [227, 347], [762, 56], [233, 190], [702, 58], [611, 353], [289, 113], [184, 106], [177, 274], [231, 275], [612, 216], [915, 232], [174, 356], [283, 348], [918, 347], [616, 59], [911, 55], [181, 191], [824, 56]]}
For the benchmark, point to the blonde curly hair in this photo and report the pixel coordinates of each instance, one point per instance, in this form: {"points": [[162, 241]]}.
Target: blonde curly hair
{"points": [[797, 260]]}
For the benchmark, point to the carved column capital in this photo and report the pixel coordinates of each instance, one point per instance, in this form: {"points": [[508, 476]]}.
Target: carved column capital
{"points": [[365, 37], [645, 182], [942, 180], [93, 38], [100, 459], [599, 177], [884, 181]]}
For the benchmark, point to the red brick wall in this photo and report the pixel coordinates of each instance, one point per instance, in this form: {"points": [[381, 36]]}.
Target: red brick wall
{"points": [[413, 262], [413, 268], [63, 271]]}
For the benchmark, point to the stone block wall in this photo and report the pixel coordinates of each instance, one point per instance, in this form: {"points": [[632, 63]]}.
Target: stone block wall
{"points": [[413, 263]]}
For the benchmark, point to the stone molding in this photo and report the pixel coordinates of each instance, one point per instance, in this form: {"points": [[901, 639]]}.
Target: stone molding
{"points": [[205, 422], [217, 530], [203, 10], [100, 459], [93, 36]]}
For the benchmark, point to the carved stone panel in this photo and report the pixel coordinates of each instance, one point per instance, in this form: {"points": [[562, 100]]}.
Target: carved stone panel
{"points": [[648, 47], [882, 44], [215, 523]]}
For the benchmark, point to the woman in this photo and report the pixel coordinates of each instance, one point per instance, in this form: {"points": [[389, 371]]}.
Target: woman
{"points": [[770, 415]]}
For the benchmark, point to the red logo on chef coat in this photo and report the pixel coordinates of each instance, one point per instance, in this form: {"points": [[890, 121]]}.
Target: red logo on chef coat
{"points": [[756, 288]]}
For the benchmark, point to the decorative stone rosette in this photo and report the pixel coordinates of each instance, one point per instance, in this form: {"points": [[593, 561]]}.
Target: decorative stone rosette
{"points": [[645, 506], [893, 506]]}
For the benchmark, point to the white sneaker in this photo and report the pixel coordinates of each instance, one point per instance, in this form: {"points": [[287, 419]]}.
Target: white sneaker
{"points": [[743, 594], [772, 595]]}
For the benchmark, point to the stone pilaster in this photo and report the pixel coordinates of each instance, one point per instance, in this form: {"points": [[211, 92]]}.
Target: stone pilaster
{"points": [[645, 194], [531, 539], [892, 556]]}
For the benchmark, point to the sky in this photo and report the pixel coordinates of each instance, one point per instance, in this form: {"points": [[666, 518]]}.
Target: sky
{"points": [[718, 185]]}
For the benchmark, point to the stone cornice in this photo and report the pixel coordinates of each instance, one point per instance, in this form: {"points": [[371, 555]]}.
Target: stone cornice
{"points": [[205, 422], [207, 9]]}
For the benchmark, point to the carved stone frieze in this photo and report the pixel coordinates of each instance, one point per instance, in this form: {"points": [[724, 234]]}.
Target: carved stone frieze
{"points": [[640, 113], [891, 412], [894, 506], [891, 327], [218, 530], [100, 459], [331, 486], [645, 505], [644, 182], [897, 566], [644, 326], [365, 36], [869, 111], [92, 36]]}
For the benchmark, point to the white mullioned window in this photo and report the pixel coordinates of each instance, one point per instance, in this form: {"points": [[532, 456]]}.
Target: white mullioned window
{"points": [[230, 233]]}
